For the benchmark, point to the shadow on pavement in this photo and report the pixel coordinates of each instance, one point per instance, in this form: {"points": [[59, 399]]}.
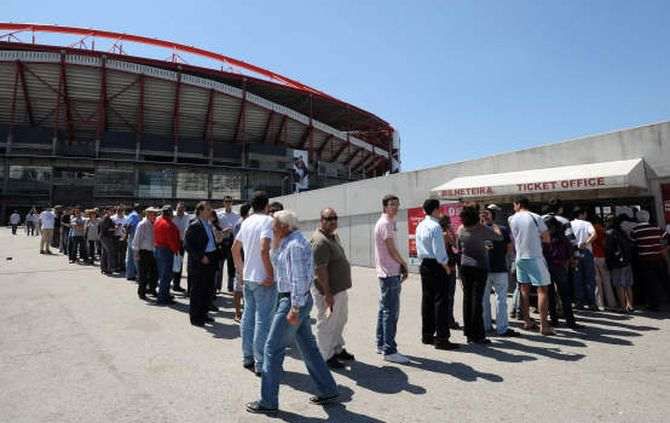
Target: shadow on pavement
{"points": [[458, 370], [383, 380], [553, 353]]}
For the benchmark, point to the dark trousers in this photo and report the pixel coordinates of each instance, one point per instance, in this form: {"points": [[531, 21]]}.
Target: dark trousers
{"points": [[560, 281], [91, 251], [653, 275], [77, 246], [474, 282], [227, 257], [147, 273], [176, 276], [30, 228], [55, 238], [201, 282], [14, 229], [107, 256], [121, 246], [434, 301]]}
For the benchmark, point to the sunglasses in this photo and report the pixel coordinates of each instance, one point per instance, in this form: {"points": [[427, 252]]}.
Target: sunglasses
{"points": [[330, 218]]}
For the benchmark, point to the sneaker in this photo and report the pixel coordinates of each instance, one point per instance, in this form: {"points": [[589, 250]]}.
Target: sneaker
{"points": [[323, 400], [345, 355], [445, 345], [257, 408], [396, 358], [510, 333]]}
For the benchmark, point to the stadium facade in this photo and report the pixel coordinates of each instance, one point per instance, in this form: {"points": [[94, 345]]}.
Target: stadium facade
{"points": [[87, 126]]}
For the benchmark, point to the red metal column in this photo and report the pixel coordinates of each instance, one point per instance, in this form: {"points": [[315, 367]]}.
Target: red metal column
{"points": [[102, 101], [207, 131], [337, 155], [266, 131], [26, 97], [175, 116], [240, 116], [348, 161], [282, 125], [307, 136], [13, 107], [139, 125], [319, 152], [66, 100]]}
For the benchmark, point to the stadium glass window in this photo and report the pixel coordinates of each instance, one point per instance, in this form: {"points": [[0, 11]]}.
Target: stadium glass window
{"points": [[226, 184], [192, 185], [29, 179], [112, 182], [156, 183]]}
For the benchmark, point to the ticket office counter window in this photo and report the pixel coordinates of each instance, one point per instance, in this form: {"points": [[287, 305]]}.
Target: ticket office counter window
{"points": [[114, 182], [29, 180], [156, 183]]}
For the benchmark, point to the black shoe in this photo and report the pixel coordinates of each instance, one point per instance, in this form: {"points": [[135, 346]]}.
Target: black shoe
{"points": [[345, 355], [322, 400], [169, 301], [178, 289], [198, 324], [256, 408], [249, 366], [212, 307], [334, 363], [445, 345], [142, 297], [574, 326], [483, 341], [427, 340], [128, 279], [454, 326], [510, 334], [209, 319]]}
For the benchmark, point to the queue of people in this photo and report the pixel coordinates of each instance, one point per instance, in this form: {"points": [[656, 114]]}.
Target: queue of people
{"points": [[277, 275]]}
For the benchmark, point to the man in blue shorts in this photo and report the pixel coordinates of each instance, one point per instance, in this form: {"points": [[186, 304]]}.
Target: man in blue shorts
{"points": [[529, 232]]}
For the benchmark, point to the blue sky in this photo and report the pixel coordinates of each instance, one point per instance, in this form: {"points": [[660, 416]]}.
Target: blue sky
{"points": [[457, 79]]}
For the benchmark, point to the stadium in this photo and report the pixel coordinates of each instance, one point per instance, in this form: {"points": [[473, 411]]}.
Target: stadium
{"points": [[86, 123]]}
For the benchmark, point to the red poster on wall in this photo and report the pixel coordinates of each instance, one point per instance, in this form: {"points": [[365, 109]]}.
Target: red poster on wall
{"points": [[415, 216], [665, 189]]}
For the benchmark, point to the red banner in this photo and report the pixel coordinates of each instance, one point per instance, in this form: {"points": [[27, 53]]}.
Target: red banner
{"points": [[665, 189], [415, 216]]}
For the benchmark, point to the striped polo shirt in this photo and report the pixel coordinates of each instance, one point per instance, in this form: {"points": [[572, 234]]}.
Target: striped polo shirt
{"points": [[648, 240]]}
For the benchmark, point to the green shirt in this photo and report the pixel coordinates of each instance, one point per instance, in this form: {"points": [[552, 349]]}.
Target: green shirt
{"points": [[328, 251]]}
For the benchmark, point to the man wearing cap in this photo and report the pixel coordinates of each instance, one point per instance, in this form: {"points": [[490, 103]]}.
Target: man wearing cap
{"points": [[143, 253], [167, 243], [132, 221]]}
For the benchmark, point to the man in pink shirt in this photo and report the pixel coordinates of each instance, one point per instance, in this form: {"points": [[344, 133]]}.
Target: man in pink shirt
{"points": [[391, 271]]}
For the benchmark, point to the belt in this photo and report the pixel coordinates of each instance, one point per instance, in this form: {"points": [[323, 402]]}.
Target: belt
{"points": [[284, 295]]}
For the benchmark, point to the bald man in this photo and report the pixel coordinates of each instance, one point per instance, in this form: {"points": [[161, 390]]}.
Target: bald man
{"points": [[333, 279]]}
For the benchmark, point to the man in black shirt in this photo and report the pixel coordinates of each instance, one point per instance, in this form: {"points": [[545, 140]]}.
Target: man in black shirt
{"points": [[65, 231], [498, 277]]}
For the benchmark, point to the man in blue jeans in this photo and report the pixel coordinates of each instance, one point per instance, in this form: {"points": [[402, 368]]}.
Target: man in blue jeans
{"points": [[293, 262], [132, 221], [255, 270], [585, 272], [391, 271]]}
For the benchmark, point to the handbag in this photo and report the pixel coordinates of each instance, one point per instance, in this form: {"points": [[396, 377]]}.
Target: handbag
{"points": [[176, 263]]}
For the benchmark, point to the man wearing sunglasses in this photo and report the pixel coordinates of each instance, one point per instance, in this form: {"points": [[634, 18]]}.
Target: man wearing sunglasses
{"points": [[333, 279]]}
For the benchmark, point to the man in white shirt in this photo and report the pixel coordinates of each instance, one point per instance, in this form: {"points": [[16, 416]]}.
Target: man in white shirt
{"points": [[120, 241], [14, 220], [528, 231], [181, 219], [47, 219], [227, 220], [584, 282], [256, 272]]}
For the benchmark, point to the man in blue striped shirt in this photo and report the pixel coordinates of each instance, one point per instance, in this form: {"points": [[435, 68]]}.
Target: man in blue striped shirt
{"points": [[435, 282]]}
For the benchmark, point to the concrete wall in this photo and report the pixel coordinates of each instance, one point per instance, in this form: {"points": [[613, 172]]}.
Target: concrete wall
{"points": [[359, 203]]}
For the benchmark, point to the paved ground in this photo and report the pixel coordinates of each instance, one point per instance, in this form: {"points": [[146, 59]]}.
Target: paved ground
{"points": [[79, 347]]}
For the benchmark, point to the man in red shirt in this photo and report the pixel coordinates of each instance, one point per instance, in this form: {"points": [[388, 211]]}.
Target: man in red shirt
{"points": [[168, 243]]}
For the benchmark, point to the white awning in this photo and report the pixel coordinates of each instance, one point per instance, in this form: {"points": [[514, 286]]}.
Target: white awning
{"points": [[594, 176]]}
